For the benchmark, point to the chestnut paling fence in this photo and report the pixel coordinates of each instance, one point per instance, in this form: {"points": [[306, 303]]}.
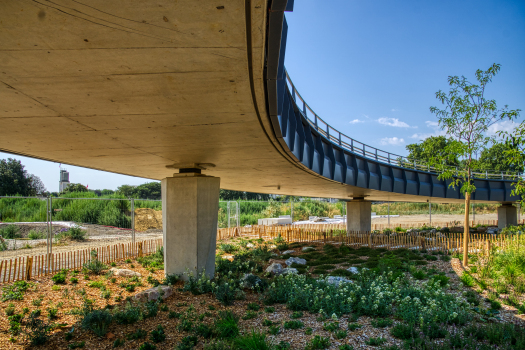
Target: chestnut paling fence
{"points": [[28, 267]]}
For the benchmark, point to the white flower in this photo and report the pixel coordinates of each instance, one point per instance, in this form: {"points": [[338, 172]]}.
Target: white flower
{"points": [[334, 317]]}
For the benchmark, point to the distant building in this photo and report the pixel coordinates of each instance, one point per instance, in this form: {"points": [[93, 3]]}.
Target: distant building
{"points": [[64, 180]]}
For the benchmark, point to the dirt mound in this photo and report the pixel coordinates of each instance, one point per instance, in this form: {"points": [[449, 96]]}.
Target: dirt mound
{"points": [[147, 219]]}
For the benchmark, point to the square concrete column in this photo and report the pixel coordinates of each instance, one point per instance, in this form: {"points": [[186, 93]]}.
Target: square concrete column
{"points": [[190, 209], [358, 215], [507, 215]]}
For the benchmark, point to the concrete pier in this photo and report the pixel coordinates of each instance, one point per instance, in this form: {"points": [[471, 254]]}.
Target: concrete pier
{"points": [[507, 215], [358, 215], [190, 206]]}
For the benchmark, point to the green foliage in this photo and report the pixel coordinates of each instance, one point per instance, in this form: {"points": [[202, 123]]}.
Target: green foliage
{"points": [[52, 313], [10, 232], [226, 325], [118, 343], [318, 343], [14, 180], [466, 119], [253, 341], [381, 322], [153, 260], [274, 330], [429, 148], [403, 331], [375, 341], [269, 309], [467, 280], [37, 330], [96, 284], [353, 326], [157, 335], [331, 326], [296, 314], [346, 347], [74, 233], [187, 343], [293, 324], [249, 315], [434, 330], [147, 346], [128, 315], [254, 306], [515, 156], [171, 279], [94, 266], [16, 290], [97, 321], [138, 334]]}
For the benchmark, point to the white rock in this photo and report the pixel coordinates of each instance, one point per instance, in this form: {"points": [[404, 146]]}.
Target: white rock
{"points": [[124, 272], [336, 280], [289, 270], [154, 293], [250, 245], [273, 246], [352, 269], [292, 260], [307, 249], [288, 252], [275, 268]]}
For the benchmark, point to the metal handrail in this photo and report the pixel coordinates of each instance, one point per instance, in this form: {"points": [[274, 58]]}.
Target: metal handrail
{"points": [[338, 138]]}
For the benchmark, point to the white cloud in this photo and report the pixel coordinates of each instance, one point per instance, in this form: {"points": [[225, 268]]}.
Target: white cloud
{"points": [[356, 121], [506, 125], [393, 122], [394, 141], [394, 110], [432, 125]]}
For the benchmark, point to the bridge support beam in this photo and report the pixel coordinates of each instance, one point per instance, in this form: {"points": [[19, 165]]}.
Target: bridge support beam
{"points": [[507, 215], [190, 206], [358, 215]]}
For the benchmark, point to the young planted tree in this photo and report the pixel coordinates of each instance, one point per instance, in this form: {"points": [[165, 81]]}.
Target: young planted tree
{"points": [[466, 118], [515, 157]]}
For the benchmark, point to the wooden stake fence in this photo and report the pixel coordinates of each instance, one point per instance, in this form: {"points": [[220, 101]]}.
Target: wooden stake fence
{"points": [[25, 268]]}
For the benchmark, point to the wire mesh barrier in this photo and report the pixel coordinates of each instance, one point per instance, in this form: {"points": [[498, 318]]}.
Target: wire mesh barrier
{"points": [[27, 267]]}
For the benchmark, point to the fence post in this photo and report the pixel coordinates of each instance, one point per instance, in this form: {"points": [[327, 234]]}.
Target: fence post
{"points": [[132, 224], [140, 250], [29, 266]]}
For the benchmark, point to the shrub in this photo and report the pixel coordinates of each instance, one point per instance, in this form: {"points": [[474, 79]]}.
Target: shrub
{"points": [[204, 331], [37, 331], [353, 326], [249, 315], [77, 345], [274, 330], [381, 322], [187, 343], [226, 293], [467, 280], [294, 324], [96, 284], [254, 306], [296, 314], [153, 281], [147, 346], [10, 309], [434, 331], [52, 313], [16, 291], [227, 325], [174, 314], [283, 345], [138, 334], [252, 341], [95, 267], [346, 347], [10, 232], [419, 275], [442, 280], [403, 331], [331, 326], [97, 321], [171, 279], [118, 343], [318, 343], [269, 309], [157, 335], [34, 234], [375, 341], [340, 334], [73, 280], [266, 322], [128, 315]]}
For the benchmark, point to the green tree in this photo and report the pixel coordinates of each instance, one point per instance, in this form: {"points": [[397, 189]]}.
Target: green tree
{"points": [[466, 118], [515, 156], [126, 190], [149, 190], [429, 148], [14, 179], [75, 188], [495, 159]]}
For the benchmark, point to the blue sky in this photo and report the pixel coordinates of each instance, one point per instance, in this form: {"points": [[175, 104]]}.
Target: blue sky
{"points": [[371, 68]]}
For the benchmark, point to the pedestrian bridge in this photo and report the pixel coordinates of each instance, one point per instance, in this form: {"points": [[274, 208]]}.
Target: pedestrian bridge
{"points": [[150, 89]]}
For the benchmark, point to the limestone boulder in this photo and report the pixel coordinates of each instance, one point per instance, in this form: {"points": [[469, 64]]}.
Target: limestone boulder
{"points": [[288, 252], [308, 249], [289, 270], [154, 293], [353, 269], [124, 272], [275, 268], [292, 260], [336, 280]]}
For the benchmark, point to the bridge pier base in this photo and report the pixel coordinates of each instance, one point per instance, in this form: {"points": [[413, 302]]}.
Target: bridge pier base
{"points": [[358, 215], [507, 215], [190, 206]]}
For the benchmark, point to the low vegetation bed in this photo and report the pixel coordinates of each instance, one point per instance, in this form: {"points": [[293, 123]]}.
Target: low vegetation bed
{"points": [[343, 298]]}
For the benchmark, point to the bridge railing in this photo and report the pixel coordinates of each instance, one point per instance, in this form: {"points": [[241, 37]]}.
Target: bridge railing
{"points": [[338, 138]]}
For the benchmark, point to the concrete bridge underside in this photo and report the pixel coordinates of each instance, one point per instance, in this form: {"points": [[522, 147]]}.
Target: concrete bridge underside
{"points": [[133, 86]]}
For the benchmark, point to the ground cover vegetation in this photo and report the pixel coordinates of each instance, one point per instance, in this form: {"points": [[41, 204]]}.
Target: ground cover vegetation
{"points": [[400, 299]]}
